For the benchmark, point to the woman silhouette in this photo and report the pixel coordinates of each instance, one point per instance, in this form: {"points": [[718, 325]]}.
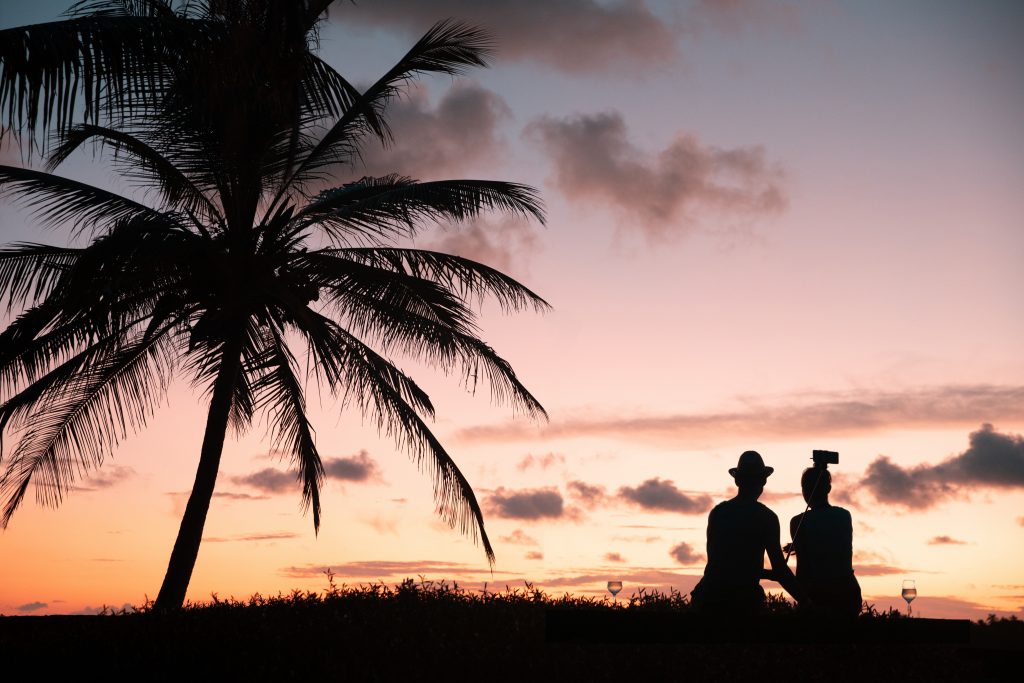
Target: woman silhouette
{"points": [[823, 543]]}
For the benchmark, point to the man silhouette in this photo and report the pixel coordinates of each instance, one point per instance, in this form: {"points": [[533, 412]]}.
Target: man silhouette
{"points": [[823, 543], [740, 531]]}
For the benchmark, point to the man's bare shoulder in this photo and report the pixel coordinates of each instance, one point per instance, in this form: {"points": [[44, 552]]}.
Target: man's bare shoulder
{"points": [[766, 511]]}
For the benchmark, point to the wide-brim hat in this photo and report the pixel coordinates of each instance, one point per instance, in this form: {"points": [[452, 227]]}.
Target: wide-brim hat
{"points": [[751, 462]]}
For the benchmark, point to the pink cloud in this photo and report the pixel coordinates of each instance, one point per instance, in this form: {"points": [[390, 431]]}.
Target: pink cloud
{"points": [[838, 414], [945, 540], [993, 460], [657, 495], [587, 495], [542, 462], [433, 142], [527, 504], [664, 195], [358, 468], [108, 476], [518, 537], [685, 554]]}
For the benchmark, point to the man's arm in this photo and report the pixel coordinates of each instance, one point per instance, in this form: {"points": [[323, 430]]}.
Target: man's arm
{"points": [[780, 570]]}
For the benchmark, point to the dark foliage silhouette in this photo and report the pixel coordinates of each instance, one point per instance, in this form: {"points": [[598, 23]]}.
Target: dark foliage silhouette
{"points": [[439, 629], [243, 250]]}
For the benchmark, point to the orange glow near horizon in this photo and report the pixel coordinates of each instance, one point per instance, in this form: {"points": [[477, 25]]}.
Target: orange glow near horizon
{"points": [[779, 236]]}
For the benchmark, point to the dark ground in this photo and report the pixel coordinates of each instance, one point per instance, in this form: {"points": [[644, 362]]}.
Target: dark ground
{"points": [[428, 632]]}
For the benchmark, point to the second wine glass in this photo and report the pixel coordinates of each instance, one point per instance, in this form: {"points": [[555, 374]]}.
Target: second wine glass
{"points": [[909, 593]]}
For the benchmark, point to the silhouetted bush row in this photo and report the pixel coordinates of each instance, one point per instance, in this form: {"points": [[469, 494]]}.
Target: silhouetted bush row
{"points": [[422, 630]]}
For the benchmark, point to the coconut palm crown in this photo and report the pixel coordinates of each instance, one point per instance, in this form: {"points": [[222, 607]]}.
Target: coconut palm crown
{"points": [[244, 262]]}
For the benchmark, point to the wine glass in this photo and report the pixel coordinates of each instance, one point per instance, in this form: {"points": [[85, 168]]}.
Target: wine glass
{"points": [[909, 593], [614, 587]]}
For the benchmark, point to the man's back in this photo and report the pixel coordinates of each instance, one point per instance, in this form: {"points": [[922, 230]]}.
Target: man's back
{"points": [[738, 530]]}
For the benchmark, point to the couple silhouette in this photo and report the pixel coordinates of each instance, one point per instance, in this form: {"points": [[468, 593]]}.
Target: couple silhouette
{"points": [[741, 530]]}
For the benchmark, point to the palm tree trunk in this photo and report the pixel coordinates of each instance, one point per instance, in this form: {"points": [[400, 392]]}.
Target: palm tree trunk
{"points": [[190, 534]]}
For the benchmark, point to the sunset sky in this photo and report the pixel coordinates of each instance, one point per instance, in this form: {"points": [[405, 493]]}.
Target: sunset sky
{"points": [[771, 225]]}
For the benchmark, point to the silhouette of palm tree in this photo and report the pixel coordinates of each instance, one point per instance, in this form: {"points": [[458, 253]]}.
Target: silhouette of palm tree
{"points": [[223, 110]]}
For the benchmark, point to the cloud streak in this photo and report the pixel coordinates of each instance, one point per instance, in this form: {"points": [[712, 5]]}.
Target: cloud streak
{"points": [[830, 414], [945, 540], [993, 461], [576, 36], [657, 495], [109, 476], [357, 468], [527, 504], [518, 537], [382, 569], [542, 462], [268, 480], [596, 581], [248, 538], [586, 580], [879, 569], [31, 607], [663, 195]]}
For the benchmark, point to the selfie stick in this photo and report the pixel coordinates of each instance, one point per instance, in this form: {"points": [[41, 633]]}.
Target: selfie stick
{"points": [[821, 464]]}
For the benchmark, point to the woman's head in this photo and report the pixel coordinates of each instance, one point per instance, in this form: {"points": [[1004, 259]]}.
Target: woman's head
{"points": [[816, 483]]}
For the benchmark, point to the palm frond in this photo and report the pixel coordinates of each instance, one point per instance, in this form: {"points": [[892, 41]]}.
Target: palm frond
{"points": [[85, 417], [26, 357], [467, 278], [121, 8], [290, 431], [115, 63], [425, 321], [143, 163], [325, 91], [395, 205], [56, 200], [383, 391], [28, 271], [449, 47]]}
